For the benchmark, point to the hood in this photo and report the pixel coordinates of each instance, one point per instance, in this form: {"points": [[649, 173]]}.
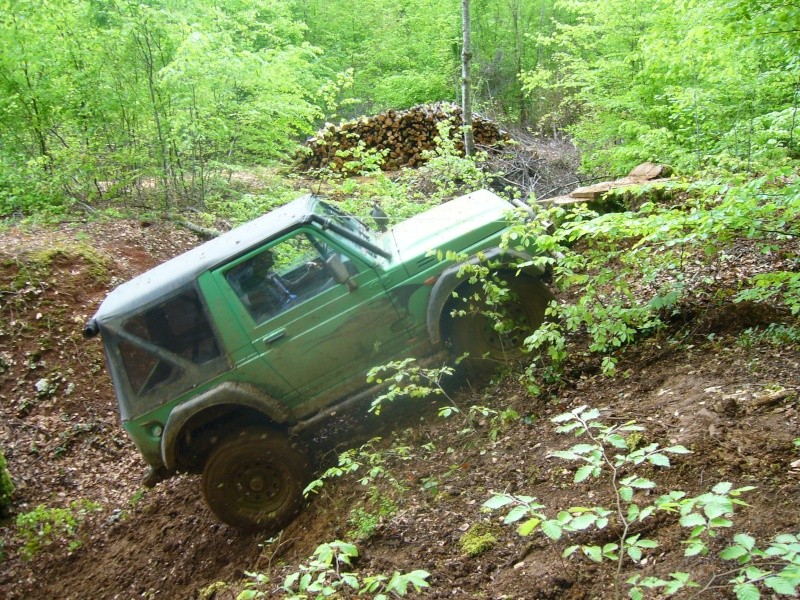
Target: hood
{"points": [[454, 225]]}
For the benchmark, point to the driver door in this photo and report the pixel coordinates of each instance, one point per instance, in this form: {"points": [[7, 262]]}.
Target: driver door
{"points": [[320, 335]]}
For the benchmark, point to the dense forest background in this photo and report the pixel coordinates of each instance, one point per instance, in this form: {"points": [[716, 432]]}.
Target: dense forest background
{"points": [[104, 103]]}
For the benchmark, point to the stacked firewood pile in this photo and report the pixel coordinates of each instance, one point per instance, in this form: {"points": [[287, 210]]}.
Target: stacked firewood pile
{"points": [[402, 135]]}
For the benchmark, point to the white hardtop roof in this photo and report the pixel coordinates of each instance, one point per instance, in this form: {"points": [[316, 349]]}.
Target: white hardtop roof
{"points": [[165, 279]]}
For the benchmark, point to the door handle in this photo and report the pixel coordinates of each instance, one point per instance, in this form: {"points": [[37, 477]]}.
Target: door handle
{"points": [[274, 336]]}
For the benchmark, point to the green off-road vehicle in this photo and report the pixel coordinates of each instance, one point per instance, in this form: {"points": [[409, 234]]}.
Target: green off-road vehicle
{"points": [[220, 355]]}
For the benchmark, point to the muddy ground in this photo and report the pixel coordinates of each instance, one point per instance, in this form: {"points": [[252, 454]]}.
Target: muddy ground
{"points": [[724, 390]]}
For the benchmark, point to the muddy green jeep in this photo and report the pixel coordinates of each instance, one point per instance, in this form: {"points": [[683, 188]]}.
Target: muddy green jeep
{"points": [[221, 355]]}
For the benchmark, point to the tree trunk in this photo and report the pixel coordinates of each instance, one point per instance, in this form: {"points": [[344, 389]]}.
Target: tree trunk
{"points": [[466, 60]]}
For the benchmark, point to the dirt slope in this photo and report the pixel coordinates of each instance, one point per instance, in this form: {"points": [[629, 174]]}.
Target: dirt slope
{"points": [[730, 398]]}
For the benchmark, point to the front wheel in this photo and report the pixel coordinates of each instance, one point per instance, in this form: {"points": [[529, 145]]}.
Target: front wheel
{"points": [[254, 480], [492, 334]]}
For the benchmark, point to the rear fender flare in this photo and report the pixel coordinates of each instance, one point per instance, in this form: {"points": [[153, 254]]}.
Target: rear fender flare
{"points": [[228, 393], [449, 280]]}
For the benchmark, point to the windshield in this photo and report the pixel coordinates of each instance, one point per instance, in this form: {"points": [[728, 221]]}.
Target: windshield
{"points": [[347, 221], [354, 226]]}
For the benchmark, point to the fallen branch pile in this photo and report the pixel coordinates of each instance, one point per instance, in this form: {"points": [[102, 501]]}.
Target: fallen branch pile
{"points": [[402, 135]]}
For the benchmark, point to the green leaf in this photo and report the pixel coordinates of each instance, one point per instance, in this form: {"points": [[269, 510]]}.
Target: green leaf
{"points": [[692, 520], [642, 483], [717, 508], [516, 513], [498, 501], [646, 512], [695, 548], [633, 512], [565, 455], [634, 552], [659, 460], [552, 529], [584, 521], [583, 448], [782, 586], [418, 578], [746, 591], [583, 473], [617, 441], [719, 522], [528, 527], [754, 573], [593, 552], [569, 551], [722, 488], [744, 540]]}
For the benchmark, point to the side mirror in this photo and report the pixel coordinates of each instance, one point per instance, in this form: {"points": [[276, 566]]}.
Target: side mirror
{"points": [[339, 270]]}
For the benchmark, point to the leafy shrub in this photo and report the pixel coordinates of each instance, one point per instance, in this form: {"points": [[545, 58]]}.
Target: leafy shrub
{"points": [[608, 453], [633, 272], [327, 574], [365, 519], [6, 487], [351, 462], [26, 189], [45, 526]]}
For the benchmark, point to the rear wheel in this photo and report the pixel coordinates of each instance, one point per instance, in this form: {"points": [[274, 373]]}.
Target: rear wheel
{"points": [[254, 480], [490, 340]]}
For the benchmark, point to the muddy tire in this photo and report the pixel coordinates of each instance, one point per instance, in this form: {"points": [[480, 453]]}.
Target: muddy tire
{"points": [[254, 480], [475, 333]]}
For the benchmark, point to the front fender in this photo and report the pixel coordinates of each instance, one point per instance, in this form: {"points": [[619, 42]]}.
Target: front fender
{"points": [[228, 393], [449, 280]]}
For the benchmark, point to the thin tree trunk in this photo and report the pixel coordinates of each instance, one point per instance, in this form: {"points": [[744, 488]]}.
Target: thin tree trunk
{"points": [[466, 60], [146, 51], [515, 8]]}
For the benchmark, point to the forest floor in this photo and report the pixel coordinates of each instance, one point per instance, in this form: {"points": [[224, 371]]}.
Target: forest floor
{"points": [[727, 391]]}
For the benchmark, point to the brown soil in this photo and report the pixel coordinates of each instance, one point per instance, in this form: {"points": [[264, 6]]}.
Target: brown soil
{"points": [[734, 404]]}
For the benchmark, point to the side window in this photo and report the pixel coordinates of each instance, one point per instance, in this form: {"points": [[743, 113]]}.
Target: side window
{"points": [[282, 276], [179, 326]]}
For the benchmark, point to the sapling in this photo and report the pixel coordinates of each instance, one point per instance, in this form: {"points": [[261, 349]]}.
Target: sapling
{"points": [[615, 452]]}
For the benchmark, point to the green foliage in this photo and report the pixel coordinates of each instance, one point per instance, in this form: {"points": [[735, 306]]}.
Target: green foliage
{"points": [[406, 379], [400, 54], [367, 457], [782, 285], [148, 100], [776, 568], [212, 590], [683, 83], [364, 520], [774, 334], [602, 453], [327, 573], [45, 526], [633, 271], [246, 194], [23, 190], [608, 454], [445, 175], [6, 487]]}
